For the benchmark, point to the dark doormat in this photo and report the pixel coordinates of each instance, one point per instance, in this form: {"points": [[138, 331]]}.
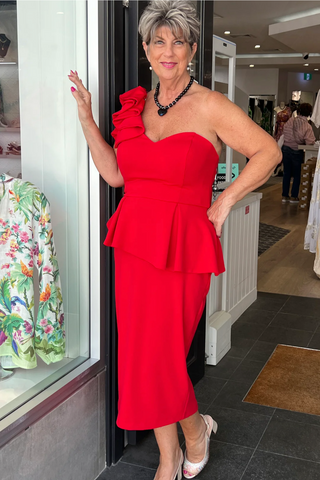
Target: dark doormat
{"points": [[269, 235], [290, 381]]}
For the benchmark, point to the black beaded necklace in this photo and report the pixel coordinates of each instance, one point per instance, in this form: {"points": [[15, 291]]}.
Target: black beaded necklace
{"points": [[163, 110]]}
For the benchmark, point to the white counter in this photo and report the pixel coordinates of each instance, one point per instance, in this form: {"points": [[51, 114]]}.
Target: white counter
{"points": [[309, 151]]}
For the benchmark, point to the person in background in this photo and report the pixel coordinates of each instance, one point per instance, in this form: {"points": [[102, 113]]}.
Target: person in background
{"points": [[297, 131]]}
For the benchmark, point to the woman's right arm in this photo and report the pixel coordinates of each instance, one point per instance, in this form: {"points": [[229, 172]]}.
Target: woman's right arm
{"points": [[103, 155]]}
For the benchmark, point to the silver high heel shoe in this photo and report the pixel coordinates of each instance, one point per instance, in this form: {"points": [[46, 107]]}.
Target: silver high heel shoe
{"points": [[191, 470]]}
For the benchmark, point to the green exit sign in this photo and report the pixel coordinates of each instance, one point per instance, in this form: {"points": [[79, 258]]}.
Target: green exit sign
{"points": [[307, 76]]}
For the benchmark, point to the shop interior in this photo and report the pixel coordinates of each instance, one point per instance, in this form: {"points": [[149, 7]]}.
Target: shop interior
{"points": [[277, 68]]}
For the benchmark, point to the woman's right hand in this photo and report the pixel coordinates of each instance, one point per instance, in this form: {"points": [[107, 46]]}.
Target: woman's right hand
{"points": [[83, 98]]}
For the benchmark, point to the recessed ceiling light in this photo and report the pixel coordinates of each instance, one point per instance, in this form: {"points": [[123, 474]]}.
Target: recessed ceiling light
{"points": [[257, 46], [316, 69], [251, 66], [227, 32], [306, 64]]}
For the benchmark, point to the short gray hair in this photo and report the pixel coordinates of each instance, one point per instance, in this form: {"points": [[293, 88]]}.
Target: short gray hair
{"points": [[174, 14]]}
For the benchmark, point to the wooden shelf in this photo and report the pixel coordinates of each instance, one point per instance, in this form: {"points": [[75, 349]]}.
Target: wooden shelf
{"points": [[9, 129]]}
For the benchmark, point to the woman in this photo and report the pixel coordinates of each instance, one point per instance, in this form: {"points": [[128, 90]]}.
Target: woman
{"points": [[297, 131], [165, 233]]}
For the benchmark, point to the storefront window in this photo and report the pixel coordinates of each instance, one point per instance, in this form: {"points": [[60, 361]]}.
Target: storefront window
{"points": [[44, 198]]}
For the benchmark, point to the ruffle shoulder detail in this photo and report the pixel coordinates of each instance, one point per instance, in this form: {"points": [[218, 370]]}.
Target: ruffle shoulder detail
{"points": [[127, 121]]}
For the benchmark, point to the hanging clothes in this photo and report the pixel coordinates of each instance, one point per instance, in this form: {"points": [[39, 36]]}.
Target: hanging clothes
{"points": [[282, 118], [257, 115], [266, 120], [315, 117], [312, 231], [26, 242]]}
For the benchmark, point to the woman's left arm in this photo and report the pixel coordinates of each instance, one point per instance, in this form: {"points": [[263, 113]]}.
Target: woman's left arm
{"points": [[240, 133]]}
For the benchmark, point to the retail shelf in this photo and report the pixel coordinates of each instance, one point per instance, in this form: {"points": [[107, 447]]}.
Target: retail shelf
{"points": [[9, 129]]}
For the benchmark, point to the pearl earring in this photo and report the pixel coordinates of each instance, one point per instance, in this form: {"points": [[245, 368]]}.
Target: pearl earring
{"points": [[150, 68], [189, 67]]}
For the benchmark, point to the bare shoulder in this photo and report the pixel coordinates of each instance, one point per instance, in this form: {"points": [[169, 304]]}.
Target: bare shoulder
{"points": [[211, 102], [215, 100]]}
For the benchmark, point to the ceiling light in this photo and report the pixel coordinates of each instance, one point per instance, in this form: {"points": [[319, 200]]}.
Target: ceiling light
{"points": [[251, 66], [257, 46], [227, 32], [316, 69], [306, 64]]}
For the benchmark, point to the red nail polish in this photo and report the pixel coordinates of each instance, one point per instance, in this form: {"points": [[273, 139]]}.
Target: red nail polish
{"points": [[76, 72], [73, 89], [72, 71]]}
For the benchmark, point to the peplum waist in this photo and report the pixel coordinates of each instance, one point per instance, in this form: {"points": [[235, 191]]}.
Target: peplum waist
{"points": [[167, 226]]}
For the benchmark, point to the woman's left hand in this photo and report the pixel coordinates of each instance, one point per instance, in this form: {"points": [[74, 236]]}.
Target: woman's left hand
{"points": [[219, 211]]}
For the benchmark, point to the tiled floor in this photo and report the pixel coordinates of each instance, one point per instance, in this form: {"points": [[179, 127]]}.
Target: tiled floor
{"points": [[253, 442]]}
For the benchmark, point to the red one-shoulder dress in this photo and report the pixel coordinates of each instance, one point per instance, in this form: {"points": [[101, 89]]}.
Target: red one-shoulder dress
{"points": [[165, 250]]}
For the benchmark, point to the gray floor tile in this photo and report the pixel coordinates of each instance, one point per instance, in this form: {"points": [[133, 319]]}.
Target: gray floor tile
{"points": [[254, 315], [267, 466], [286, 336], [315, 341], [248, 371], [261, 351], [208, 388], [297, 417], [231, 396], [238, 428], [240, 346], [292, 439], [146, 453], [225, 367], [203, 407], [247, 330], [270, 301], [297, 322], [124, 471], [307, 307], [227, 462]]}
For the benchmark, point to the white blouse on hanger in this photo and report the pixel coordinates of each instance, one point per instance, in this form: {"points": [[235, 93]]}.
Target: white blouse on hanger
{"points": [[312, 234]]}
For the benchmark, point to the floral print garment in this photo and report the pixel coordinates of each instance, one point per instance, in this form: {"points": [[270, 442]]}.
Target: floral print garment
{"points": [[26, 242]]}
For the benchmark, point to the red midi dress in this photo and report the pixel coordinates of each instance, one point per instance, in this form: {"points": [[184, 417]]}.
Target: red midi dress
{"points": [[165, 250]]}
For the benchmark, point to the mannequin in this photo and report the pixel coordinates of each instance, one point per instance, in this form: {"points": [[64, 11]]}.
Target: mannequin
{"points": [[280, 108], [283, 114], [4, 45]]}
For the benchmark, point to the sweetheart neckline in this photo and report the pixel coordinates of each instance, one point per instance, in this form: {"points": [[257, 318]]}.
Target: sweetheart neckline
{"points": [[182, 133]]}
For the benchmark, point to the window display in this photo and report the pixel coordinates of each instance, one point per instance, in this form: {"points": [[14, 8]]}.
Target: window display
{"points": [[44, 199]]}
